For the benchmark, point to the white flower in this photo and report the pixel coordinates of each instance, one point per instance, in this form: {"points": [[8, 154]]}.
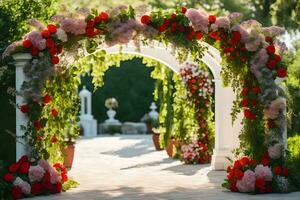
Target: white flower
{"points": [[61, 35]]}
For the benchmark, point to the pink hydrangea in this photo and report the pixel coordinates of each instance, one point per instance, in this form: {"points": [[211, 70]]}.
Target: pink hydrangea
{"points": [[273, 31], [25, 186], [36, 173], [263, 172], [247, 184], [74, 26], [275, 107], [259, 60], [199, 19], [222, 22], [275, 151], [55, 177], [37, 40], [235, 17]]}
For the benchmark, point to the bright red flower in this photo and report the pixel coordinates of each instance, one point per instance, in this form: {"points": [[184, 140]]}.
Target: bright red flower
{"points": [[90, 32], [228, 169], [14, 167], [237, 164], [265, 161], [37, 124], [162, 28], [58, 187], [24, 108], [53, 51], [253, 162], [53, 140], [277, 58], [256, 90], [47, 177], [214, 35], [233, 187], [50, 43], [183, 9], [36, 188], [271, 49], [24, 168], [236, 36], [271, 64], [260, 183], [55, 60], [64, 178], [54, 112], [212, 19], [47, 98], [104, 16], [244, 161], [8, 177], [27, 44], [282, 72], [199, 35], [35, 51], [145, 19], [23, 159], [45, 33], [90, 24], [248, 114], [97, 19], [277, 170], [52, 28], [239, 174], [285, 171], [230, 175], [16, 192], [245, 102]]}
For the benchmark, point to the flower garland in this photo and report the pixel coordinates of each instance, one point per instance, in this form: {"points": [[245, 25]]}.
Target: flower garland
{"points": [[200, 92], [28, 179]]}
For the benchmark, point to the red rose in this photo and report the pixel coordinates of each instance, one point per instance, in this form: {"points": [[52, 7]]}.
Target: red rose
{"points": [[104, 16], [24, 108], [199, 35], [239, 174], [57, 166], [14, 167], [256, 90], [162, 28], [277, 170], [167, 22], [36, 188], [47, 177], [260, 183], [244, 161], [53, 51], [233, 187], [45, 33], [90, 32], [230, 175], [27, 44], [236, 36], [35, 51], [248, 114], [212, 19], [97, 19], [47, 98], [245, 102], [37, 124], [269, 40], [64, 178], [236, 164], [8, 177], [271, 64], [54, 60], [285, 171], [58, 187], [50, 43], [253, 102], [265, 161], [277, 58], [52, 28], [16, 192], [23, 159], [53, 140], [253, 162], [90, 24], [282, 72], [145, 19], [271, 49], [228, 169], [214, 35], [24, 168], [183, 9], [54, 112]]}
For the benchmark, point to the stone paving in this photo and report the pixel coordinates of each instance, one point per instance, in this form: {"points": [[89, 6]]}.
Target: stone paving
{"points": [[128, 168]]}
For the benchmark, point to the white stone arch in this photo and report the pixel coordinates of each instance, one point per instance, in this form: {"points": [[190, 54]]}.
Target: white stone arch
{"points": [[226, 134]]}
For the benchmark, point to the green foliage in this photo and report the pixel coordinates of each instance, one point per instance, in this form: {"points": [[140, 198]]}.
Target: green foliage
{"points": [[293, 160]]}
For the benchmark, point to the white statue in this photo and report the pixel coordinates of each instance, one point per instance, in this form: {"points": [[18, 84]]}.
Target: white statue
{"points": [[153, 113]]}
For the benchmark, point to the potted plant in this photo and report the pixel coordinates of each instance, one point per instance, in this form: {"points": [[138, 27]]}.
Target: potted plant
{"points": [[170, 147], [68, 148]]}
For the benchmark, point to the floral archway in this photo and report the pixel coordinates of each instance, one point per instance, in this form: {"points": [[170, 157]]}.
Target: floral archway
{"points": [[252, 66]]}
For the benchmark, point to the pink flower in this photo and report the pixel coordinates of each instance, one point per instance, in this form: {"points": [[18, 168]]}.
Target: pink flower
{"points": [[74, 26], [37, 40], [273, 31], [259, 60], [244, 33], [25, 187], [45, 165], [199, 19], [275, 107], [263, 172], [223, 22], [55, 177], [235, 17], [11, 48], [247, 184], [275, 151], [36, 173]]}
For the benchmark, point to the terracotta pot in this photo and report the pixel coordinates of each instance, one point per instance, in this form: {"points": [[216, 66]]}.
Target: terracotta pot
{"points": [[155, 138], [68, 153], [170, 147]]}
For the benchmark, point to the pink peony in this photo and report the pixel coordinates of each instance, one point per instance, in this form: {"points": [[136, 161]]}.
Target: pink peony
{"points": [[223, 22], [275, 151], [247, 184], [275, 107], [36, 173], [37, 40], [263, 172], [199, 19], [25, 187], [74, 26]]}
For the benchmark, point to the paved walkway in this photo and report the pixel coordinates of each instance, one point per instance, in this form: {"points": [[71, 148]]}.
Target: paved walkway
{"points": [[128, 168]]}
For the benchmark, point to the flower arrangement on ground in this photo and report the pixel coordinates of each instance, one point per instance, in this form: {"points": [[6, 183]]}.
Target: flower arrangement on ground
{"points": [[195, 152], [27, 179]]}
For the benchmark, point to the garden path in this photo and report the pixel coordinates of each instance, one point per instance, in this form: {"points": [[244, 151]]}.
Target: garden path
{"points": [[127, 167]]}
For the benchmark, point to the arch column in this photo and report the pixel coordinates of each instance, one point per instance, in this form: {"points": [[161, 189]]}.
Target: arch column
{"points": [[21, 60]]}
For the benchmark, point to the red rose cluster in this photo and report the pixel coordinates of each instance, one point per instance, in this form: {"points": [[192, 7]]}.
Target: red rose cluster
{"points": [[274, 62], [249, 101], [22, 180], [95, 24], [54, 49], [173, 24]]}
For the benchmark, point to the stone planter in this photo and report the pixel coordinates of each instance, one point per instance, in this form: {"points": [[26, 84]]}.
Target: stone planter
{"points": [[68, 153]]}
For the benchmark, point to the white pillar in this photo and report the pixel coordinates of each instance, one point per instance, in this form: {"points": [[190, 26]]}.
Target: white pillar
{"points": [[21, 59]]}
